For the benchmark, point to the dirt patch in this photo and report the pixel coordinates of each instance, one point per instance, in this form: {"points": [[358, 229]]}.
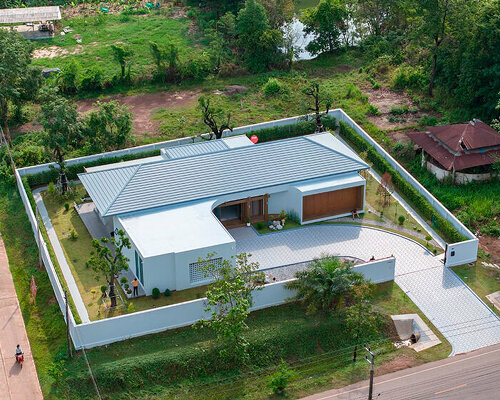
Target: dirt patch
{"points": [[143, 107], [400, 362], [54, 51], [491, 245]]}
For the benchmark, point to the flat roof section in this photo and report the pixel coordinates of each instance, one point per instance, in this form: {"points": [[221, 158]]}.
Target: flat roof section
{"points": [[175, 229]]}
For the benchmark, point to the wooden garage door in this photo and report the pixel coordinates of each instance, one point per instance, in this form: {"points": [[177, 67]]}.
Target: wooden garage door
{"points": [[332, 203]]}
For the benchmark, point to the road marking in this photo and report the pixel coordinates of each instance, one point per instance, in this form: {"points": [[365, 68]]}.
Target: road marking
{"points": [[453, 388], [407, 375]]}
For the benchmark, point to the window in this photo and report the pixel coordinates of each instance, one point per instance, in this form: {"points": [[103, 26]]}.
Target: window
{"points": [[139, 268], [196, 273]]}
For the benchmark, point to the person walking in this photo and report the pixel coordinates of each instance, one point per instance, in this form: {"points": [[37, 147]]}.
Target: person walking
{"points": [[135, 285]]}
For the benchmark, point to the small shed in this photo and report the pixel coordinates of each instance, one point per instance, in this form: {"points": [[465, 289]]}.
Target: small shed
{"points": [[37, 22]]}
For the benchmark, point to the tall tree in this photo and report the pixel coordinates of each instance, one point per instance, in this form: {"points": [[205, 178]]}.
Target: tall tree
{"points": [[166, 58], [122, 54], [60, 120], [328, 285], [258, 43], [15, 59], [214, 117], [229, 299], [435, 15], [321, 98], [107, 260], [326, 22], [108, 127]]}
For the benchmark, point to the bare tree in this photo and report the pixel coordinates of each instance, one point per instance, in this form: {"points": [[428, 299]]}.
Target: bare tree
{"points": [[322, 98], [214, 118]]}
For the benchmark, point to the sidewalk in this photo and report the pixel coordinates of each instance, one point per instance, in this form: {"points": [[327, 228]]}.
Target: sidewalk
{"points": [[15, 383]]}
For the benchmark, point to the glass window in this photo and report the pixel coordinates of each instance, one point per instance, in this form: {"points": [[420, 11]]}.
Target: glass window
{"points": [[139, 268]]}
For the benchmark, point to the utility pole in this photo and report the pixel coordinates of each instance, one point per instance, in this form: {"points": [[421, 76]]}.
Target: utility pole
{"points": [[70, 353], [371, 360]]}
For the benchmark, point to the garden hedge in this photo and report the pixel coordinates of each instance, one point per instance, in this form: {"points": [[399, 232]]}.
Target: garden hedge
{"points": [[418, 201]]}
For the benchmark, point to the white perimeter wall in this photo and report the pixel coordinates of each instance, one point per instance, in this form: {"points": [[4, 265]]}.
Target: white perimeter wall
{"points": [[184, 314], [141, 323]]}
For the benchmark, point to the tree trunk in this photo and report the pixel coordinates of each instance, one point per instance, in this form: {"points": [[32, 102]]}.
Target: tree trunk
{"points": [[5, 123], [355, 353], [112, 295], [62, 172], [123, 70], [433, 73]]}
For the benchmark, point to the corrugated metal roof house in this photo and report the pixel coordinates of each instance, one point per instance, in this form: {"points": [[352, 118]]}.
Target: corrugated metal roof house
{"points": [[29, 14], [178, 209]]}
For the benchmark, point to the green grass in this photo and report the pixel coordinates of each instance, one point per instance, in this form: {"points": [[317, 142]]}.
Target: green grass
{"points": [[482, 280], [43, 318], [99, 33], [77, 253], [322, 363], [289, 224]]}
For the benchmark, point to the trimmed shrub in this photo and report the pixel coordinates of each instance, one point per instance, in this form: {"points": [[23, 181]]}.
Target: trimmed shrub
{"points": [[167, 293], [401, 219], [156, 293], [260, 225], [66, 206], [73, 235]]}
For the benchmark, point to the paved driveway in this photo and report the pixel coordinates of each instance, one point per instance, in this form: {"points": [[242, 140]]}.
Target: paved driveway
{"points": [[453, 308]]}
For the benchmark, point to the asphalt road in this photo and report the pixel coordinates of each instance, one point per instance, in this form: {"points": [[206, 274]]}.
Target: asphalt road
{"points": [[475, 375]]}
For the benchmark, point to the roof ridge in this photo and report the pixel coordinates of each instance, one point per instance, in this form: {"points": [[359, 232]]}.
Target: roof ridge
{"points": [[137, 168], [329, 148]]}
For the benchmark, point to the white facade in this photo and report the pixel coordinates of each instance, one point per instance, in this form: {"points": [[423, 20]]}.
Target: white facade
{"points": [[168, 242]]}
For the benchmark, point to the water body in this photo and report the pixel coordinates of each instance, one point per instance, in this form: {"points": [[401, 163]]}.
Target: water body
{"points": [[295, 29]]}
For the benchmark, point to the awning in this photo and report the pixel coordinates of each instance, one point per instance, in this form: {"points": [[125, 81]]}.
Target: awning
{"points": [[29, 14]]}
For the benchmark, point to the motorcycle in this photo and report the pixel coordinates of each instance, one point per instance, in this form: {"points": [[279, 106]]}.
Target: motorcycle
{"points": [[20, 359]]}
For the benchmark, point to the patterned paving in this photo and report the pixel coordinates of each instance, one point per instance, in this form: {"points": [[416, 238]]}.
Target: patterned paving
{"points": [[453, 308]]}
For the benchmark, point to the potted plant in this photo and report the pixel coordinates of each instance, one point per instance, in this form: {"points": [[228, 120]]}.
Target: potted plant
{"points": [[248, 221]]}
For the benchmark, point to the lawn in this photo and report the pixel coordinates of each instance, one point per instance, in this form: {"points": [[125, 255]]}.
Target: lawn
{"points": [[316, 347], [482, 280], [98, 33], [77, 252]]}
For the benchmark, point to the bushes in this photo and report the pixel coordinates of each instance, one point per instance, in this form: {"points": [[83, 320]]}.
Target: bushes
{"points": [[274, 87], [156, 293], [282, 132], [409, 78], [92, 80], [403, 186]]}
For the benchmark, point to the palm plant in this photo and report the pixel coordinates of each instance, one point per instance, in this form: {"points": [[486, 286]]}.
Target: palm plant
{"points": [[328, 285]]}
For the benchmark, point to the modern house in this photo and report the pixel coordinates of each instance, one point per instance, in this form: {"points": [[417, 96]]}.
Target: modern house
{"points": [[180, 206], [463, 151]]}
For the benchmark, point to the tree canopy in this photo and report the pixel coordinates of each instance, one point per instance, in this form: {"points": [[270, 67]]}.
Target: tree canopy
{"points": [[16, 76]]}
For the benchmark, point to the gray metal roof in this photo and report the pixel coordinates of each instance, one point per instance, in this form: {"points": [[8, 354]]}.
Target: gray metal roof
{"points": [[193, 149], [29, 14], [127, 189]]}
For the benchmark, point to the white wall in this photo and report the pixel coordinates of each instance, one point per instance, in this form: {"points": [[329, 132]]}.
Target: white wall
{"points": [[463, 253], [378, 271], [460, 177]]}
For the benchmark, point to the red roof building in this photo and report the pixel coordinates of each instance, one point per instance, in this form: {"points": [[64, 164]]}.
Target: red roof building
{"points": [[461, 146]]}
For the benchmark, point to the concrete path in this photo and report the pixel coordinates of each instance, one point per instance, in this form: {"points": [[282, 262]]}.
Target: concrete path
{"points": [[16, 383], [66, 271], [445, 299], [468, 376]]}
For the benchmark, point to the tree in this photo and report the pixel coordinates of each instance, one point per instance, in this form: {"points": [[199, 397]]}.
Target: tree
{"points": [[329, 284], [122, 55], [15, 59], [107, 260], [258, 43], [69, 77], [166, 58], [214, 117], [278, 12], [386, 189], [322, 98], [108, 127], [361, 322], [326, 22], [60, 120], [229, 299], [434, 25]]}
